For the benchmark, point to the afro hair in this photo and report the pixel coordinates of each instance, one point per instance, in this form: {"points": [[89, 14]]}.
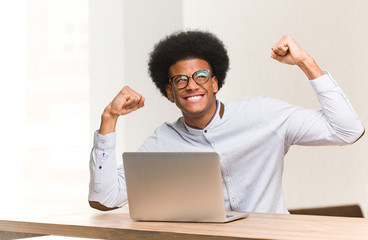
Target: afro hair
{"points": [[186, 45]]}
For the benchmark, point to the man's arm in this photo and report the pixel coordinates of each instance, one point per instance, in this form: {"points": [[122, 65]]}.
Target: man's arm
{"points": [[337, 122], [107, 185]]}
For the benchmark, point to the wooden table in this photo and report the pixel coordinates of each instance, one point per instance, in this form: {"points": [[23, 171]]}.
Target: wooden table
{"points": [[116, 224]]}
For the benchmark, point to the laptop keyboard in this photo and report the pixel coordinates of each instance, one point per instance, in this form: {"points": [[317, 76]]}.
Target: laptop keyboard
{"points": [[229, 215]]}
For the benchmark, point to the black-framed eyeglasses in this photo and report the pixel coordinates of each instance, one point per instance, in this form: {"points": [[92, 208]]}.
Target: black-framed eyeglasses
{"points": [[200, 77]]}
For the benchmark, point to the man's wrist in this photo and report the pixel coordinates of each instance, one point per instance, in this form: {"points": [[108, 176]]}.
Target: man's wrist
{"points": [[108, 122], [107, 115], [310, 68]]}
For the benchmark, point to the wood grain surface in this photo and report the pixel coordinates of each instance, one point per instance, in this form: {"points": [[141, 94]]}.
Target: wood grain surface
{"points": [[117, 224]]}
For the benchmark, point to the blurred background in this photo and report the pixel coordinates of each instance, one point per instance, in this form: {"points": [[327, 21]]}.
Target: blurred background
{"points": [[62, 62]]}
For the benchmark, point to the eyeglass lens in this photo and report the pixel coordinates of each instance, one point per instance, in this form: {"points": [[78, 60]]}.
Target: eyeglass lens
{"points": [[200, 77]]}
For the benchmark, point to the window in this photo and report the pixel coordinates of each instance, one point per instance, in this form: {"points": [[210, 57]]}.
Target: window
{"points": [[47, 128]]}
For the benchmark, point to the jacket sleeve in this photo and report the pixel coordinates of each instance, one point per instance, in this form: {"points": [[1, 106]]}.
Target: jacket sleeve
{"points": [[336, 122], [107, 189]]}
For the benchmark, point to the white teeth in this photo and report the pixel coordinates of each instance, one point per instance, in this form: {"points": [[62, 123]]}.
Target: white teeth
{"points": [[194, 98]]}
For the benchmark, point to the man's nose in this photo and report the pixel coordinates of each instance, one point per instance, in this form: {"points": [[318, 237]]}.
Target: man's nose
{"points": [[191, 83]]}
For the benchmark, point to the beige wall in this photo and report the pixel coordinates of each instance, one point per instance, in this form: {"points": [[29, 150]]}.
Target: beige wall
{"points": [[333, 32]]}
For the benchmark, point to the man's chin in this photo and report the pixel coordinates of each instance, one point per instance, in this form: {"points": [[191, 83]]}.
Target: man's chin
{"points": [[193, 113]]}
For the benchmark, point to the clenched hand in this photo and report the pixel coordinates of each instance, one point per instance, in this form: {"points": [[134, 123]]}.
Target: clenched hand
{"points": [[124, 103]]}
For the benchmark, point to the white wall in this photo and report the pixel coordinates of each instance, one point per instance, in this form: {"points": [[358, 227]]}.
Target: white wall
{"points": [[106, 60], [333, 33], [122, 35], [145, 22]]}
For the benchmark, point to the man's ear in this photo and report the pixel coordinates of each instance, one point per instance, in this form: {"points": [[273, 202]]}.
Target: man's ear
{"points": [[214, 84], [169, 93]]}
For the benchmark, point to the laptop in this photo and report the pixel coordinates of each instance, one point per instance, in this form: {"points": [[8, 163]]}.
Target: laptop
{"points": [[176, 186]]}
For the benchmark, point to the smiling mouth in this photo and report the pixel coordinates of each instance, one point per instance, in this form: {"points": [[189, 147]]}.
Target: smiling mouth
{"points": [[195, 98]]}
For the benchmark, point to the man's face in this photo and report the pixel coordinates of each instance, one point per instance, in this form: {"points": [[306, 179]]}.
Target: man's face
{"points": [[195, 100]]}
